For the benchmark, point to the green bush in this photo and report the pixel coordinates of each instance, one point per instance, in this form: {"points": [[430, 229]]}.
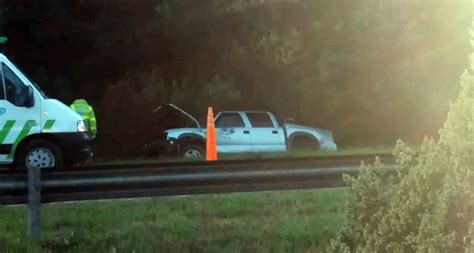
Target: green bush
{"points": [[428, 206]]}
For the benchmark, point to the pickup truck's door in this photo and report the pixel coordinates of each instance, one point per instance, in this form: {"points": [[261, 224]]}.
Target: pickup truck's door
{"points": [[232, 134], [266, 135]]}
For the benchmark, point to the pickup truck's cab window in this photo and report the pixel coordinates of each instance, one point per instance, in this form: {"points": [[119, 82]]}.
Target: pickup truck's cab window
{"points": [[260, 120], [14, 87], [226, 120]]}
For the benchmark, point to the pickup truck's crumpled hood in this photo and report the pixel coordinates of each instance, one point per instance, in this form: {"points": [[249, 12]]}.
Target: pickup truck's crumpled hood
{"points": [[325, 137], [179, 110]]}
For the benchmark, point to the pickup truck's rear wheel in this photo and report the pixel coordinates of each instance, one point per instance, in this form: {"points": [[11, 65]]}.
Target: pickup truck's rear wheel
{"points": [[193, 151], [304, 142], [40, 154]]}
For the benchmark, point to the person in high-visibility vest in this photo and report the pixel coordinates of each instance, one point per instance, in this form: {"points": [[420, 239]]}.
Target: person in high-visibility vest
{"points": [[87, 113]]}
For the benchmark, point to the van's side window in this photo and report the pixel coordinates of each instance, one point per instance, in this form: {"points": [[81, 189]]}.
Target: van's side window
{"points": [[14, 87], [2, 87]]}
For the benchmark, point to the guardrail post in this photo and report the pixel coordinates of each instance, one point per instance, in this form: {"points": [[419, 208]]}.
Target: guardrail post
{"points": [[34, 201]]}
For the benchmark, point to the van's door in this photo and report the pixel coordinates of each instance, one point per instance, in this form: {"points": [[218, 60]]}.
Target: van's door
{"points": [[19, 116]]}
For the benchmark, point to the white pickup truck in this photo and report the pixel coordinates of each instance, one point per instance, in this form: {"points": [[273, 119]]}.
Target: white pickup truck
{"points": [[248, 132]]}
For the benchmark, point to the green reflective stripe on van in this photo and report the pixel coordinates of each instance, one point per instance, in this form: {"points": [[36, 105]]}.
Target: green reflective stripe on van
{"points": [[49, 124], [6, 130], [26, 129]]}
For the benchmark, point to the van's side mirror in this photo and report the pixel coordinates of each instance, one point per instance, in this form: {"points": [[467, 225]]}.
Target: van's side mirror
{"points": [[29, 98]]}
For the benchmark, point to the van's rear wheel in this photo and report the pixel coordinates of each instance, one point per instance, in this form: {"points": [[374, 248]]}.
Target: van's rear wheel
{"points": [[40, 154]]}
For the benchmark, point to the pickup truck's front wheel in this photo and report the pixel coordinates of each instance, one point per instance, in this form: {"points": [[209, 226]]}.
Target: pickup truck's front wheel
{"points": [[193, 151]]}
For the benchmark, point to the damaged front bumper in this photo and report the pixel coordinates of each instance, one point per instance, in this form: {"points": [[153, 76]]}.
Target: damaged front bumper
{"points": [[160, 147], [171, 146]]}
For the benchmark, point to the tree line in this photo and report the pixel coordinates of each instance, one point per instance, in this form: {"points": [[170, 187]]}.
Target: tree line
{"points": [[371, 71]]}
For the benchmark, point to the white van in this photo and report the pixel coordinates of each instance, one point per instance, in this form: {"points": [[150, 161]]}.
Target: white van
{"points": [[36, 131]]}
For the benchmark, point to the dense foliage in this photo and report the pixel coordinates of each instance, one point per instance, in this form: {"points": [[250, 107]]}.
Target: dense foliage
{"points": [[334, 64], [429, 205]]}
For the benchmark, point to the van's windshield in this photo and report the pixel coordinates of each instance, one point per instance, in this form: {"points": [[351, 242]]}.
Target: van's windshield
{"points": [[38, 88], [41, 92]]}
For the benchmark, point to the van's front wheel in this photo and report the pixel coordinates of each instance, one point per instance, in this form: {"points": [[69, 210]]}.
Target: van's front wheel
{"points": [[40, 154]]}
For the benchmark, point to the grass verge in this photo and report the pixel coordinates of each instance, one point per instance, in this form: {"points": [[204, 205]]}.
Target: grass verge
{"points": [[289, 221]]}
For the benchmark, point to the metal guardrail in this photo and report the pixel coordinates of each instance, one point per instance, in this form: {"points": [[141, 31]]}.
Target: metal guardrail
{"points": [[191, 178], [147, 180]]}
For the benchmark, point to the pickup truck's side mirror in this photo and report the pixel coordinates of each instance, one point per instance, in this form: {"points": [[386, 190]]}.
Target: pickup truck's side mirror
{"points": [[29, 100]]}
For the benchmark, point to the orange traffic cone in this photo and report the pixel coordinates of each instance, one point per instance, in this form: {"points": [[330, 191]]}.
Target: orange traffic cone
{"points": [[211, 146]]}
